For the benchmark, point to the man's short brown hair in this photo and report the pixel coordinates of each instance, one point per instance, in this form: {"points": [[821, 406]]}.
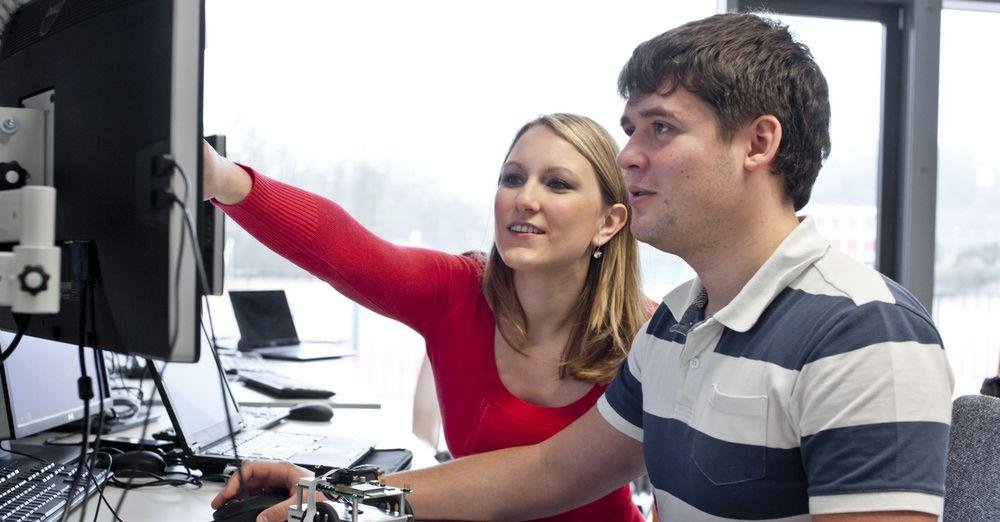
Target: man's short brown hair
{"points": [[744, 66]]}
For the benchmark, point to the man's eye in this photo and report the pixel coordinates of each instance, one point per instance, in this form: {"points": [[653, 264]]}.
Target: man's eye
{"points": [[628, 130], [660, 128]]}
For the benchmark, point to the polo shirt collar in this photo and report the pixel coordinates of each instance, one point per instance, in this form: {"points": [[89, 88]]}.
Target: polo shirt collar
{"points": [[803, 247]]}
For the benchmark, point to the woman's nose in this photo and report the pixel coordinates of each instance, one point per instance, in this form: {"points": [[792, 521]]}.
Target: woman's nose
{"points": [[526, 199]]}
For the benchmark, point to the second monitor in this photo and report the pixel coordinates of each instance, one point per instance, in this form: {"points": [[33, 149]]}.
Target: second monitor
{"points": [[266, 327]]}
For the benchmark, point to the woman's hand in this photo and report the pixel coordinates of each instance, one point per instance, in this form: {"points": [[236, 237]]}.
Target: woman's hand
{"points": [[222, 179]]}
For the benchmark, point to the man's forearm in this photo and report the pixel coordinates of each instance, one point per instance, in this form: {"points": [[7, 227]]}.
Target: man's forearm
{"points": [[509, 484], [531, 481]]}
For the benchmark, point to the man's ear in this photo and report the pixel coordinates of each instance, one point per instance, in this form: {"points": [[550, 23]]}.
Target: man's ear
{"points": [[614, 219], [764, 138]]}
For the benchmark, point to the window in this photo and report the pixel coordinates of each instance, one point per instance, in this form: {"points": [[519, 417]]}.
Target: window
{"points": [[967, 260], [844, 199]]}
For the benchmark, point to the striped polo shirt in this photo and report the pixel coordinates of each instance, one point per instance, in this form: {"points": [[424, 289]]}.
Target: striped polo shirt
{"points": [[821, 388]]}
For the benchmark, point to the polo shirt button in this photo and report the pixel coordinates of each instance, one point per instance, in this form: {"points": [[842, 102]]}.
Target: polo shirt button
{"points": [[694, 363]]}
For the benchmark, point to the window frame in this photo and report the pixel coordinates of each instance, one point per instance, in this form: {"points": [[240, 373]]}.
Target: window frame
{"points": [[907, 177]]}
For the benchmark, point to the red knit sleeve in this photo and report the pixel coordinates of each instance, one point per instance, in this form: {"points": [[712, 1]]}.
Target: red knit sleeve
{"points": [[412, 285]]}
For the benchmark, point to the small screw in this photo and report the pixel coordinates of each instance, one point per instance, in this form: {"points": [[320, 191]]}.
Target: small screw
{"points": [[9, 125]]}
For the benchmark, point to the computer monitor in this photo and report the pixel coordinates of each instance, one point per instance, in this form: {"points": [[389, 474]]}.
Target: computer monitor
{"points": [[38, 386], [121, 84]]}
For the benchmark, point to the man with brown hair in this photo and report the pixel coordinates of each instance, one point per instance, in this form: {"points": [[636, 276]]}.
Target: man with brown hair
{"points": [[787, 381]]}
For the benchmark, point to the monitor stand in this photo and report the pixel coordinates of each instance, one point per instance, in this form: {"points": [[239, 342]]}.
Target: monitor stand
{"points": [[111, 425], [13, 450]]}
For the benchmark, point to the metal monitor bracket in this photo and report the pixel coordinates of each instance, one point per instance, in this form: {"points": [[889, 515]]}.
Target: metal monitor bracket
{"points": [[30, 272]]}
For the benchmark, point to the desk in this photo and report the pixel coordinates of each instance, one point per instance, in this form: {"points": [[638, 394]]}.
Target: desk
{"points": [[349, 377], [364, 380], [388, 426]]}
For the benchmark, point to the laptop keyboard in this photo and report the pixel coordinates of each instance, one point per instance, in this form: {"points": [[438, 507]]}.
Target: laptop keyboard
{"points": [[267, 445], [261, 417]]}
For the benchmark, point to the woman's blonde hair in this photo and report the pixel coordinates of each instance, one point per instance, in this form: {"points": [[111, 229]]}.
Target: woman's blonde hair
{"points": [[611, 308]]}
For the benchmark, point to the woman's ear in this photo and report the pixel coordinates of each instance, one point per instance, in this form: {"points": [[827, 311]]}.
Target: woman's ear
{"points": [[612, 222]]}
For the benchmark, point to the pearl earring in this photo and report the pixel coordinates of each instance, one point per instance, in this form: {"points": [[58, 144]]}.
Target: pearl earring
{"points": [[598, 253]]}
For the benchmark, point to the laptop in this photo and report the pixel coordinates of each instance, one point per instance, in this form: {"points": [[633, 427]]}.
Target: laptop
{"points": [[266, 327], [193, 397]]}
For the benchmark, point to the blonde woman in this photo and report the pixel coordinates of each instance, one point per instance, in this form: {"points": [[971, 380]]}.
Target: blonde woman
{"points": [[521, 342]]}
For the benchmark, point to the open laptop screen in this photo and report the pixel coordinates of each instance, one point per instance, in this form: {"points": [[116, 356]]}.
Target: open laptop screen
{"points": [[195, 396], [263, 317]]}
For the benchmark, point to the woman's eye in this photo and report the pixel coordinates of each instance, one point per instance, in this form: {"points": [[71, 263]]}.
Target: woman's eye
{"points": [[511, 179], [559, 184]]}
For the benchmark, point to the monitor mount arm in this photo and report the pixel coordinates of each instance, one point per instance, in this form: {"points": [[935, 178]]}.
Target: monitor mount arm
{"points": [[30, 272]]}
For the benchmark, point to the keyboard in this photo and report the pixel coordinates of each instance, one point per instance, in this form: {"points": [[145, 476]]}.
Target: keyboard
{"points": [[282, 387], [262, 417], [36, 491], [267, 445], [239, 362]]}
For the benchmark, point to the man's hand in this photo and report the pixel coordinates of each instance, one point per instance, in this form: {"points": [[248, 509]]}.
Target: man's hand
{"points": [[264, 476]]}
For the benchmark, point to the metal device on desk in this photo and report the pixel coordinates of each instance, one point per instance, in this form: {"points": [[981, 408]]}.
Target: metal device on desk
{"points": [[346, 501]]}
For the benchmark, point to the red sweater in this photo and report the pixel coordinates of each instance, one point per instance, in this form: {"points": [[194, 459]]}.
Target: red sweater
{"points": [[437, 294]]}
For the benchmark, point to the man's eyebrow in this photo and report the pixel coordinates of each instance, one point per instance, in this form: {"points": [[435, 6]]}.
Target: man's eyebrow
{"points": [[657, 111], [651, 112]]}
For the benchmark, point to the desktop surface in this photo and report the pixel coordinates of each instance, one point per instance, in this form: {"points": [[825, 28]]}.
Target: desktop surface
{"points": [[388, 426], [363, 409]]}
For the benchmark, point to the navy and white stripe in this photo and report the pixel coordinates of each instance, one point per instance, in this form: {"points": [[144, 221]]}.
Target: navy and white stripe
{"points": [[820, 388]]}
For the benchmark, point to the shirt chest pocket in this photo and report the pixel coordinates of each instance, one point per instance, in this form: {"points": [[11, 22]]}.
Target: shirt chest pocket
{"points": [[737, 449]]}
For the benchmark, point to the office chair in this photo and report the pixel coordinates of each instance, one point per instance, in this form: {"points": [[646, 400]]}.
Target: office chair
{"points": [[427, 412], [972, 487]]}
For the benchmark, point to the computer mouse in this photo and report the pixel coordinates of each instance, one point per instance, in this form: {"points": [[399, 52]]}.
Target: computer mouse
{"points": [[246, 510], [312, 412], [138, 464]]}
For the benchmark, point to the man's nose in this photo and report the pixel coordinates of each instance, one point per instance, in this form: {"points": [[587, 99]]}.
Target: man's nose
{"points": [[630, 158]]}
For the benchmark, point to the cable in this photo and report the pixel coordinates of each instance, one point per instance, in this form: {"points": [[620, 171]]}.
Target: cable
{"points": [[86, 393], [177, 287], [180, 253], [102, 373], [203, 279], [159, 480], [100, 487], [203, 282], [22, 321], [142, 436]]}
